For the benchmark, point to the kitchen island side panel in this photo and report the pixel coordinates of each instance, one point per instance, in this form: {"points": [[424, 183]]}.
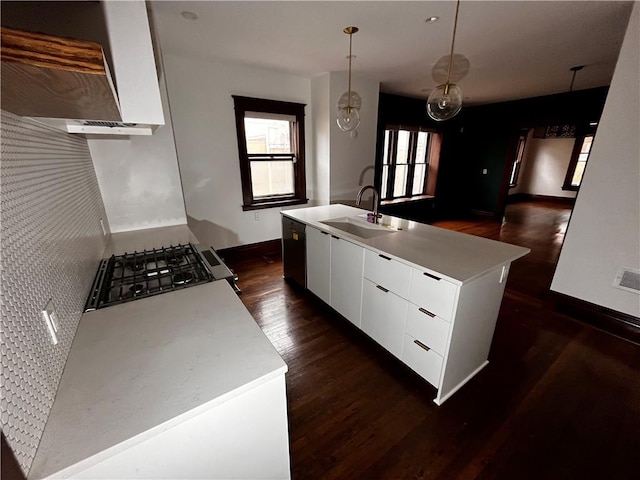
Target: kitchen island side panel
{"points": [[51, 243], [472, 330]]}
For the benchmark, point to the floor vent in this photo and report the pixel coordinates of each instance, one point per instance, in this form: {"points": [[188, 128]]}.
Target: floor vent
{"points": [[628, 279]]}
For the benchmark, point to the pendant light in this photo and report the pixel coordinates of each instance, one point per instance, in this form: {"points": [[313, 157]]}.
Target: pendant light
{"points": [[575, 70], [445, 101], [348, 116]]}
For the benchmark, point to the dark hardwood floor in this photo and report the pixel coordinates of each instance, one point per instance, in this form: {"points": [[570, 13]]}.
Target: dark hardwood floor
{"points": [[558, 400]]}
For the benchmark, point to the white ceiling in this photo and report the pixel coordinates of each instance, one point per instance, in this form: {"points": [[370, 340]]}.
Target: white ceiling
{"points": [[517, 49]]}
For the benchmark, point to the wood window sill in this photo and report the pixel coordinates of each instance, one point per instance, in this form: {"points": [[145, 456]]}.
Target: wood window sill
{"points": [[276, 203], [417, 198]]}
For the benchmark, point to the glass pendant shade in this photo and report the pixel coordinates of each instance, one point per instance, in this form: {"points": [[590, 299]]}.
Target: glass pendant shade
{"points": [[348, 119], [460, 66], [444, 102], [350, 99]]}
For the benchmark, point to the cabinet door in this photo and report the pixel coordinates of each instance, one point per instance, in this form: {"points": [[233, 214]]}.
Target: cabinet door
{"points": [[384, 316], [319, 263], [347, 261]]}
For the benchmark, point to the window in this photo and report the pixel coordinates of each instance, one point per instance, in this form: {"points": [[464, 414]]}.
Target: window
{"points": [[271, 149], [515, 169], [578, 161], [409, 163]]}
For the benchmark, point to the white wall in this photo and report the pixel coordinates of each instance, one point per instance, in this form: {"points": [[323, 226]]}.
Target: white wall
{"points": [[139, 178], [343, 162], [318, 171], [604, 231], [544, 167], [205, 135], [352, 159]]}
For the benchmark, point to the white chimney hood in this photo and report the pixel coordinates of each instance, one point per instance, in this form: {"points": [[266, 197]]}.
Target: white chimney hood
{"points": [[69, 85]]}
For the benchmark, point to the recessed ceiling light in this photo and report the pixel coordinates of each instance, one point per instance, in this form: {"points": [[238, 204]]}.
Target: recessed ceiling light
{"points": [[593, 124], [433, 19], [189, 15]]}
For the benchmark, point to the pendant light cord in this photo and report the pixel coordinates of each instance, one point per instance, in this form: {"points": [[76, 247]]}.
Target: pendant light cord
{"points": [[349, 100], [575, 70], [453, 41]]}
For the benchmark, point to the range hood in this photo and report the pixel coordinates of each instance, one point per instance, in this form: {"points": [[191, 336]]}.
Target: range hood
{"points": [[67, 83]]}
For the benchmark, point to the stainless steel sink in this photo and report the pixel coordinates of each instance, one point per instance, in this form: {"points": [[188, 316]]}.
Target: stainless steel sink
{"points": [[359, 227]]}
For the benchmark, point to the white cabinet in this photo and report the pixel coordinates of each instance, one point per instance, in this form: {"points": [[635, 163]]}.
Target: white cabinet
{"points": [[215, 443], [334, 272], [384, 315], [430, 297], [319, 263], [347, 261]]}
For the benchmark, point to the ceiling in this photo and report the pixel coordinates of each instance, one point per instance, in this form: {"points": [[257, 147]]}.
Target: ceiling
{"points": [[517, 49]]}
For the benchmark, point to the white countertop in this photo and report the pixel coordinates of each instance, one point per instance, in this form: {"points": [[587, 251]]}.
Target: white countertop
{"points": [[456, 256], [139, 368]]}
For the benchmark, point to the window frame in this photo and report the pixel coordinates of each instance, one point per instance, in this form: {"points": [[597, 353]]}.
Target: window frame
{"points": [[428, 186], [517, 162], [242, 105], [575, 155]]}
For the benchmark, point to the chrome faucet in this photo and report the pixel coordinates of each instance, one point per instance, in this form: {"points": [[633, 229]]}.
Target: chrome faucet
{"points": [[376, 196]]}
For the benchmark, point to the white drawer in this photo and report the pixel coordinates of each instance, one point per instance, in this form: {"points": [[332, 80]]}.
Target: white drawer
{"points": [[426, 363], [431, 330], [432, 293], [385, 271], [384, 316]]}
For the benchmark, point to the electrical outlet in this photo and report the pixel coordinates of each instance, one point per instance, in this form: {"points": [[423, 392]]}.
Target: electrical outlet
{"points": [[485, 171], [256, 216], [51, 320]]}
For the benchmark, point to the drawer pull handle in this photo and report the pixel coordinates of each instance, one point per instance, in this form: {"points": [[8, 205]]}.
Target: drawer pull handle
{"points": [[385, 290], [386, 258], [426, 312], [421, 345], [324, 233], [431, 276], [333, 236]]}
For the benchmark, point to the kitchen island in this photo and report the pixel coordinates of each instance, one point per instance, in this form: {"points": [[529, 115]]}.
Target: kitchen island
{"points": [[429, 296], [178, 385]]}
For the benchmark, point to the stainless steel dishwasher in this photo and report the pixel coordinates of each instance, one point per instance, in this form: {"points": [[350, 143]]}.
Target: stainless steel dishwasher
{"points": [[294, 251]]}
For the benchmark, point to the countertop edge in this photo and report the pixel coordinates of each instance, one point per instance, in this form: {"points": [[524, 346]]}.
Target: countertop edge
{"points": [[108, 453], [364, 243]]}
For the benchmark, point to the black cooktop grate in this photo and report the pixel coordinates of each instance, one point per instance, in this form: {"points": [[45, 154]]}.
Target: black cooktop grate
{"points": [[131, 276]]}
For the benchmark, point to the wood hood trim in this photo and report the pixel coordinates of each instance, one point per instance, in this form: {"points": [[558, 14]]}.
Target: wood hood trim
{"points": [[55, 77]]}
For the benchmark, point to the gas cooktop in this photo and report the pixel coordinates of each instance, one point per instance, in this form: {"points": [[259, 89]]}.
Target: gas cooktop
{"points": [[131, 276]]}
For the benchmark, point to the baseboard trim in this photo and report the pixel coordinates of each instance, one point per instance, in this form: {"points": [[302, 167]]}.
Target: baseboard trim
{"points": [[531, 197], [252, 250], [616, 323], [482, 213]]}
